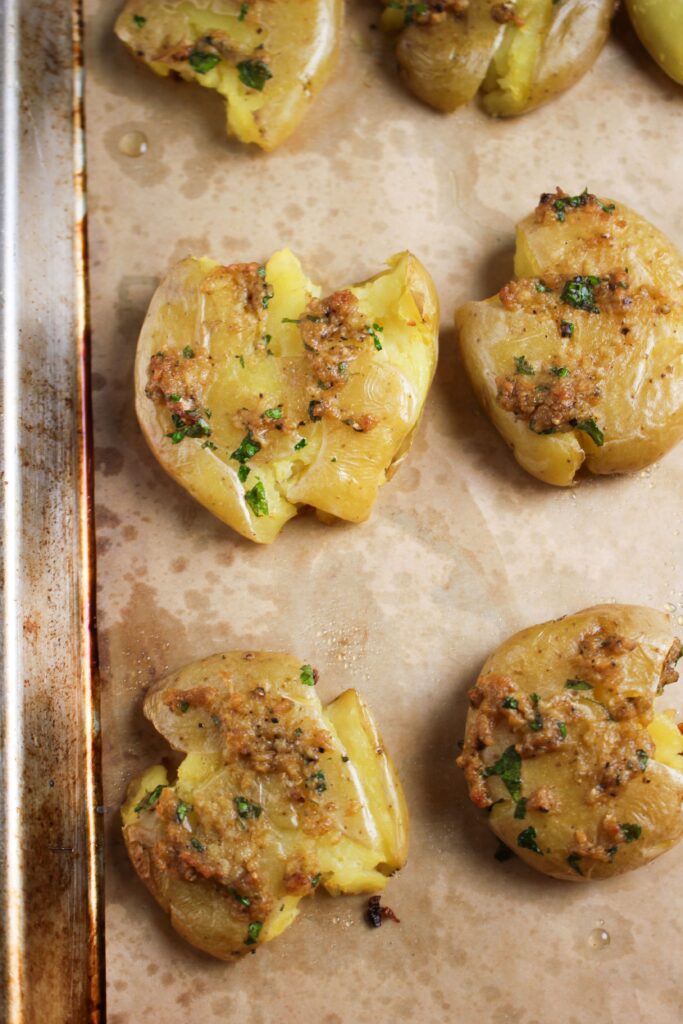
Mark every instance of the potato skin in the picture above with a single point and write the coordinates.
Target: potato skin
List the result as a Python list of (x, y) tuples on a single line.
[(659, 24), (570, 702), (327, 443), (276, 797), (268, 60), (519, 59), (624, 358)]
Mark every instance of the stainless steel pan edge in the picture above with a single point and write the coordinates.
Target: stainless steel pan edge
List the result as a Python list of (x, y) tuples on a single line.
[(50, 850)]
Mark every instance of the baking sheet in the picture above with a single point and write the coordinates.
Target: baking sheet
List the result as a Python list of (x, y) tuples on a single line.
[(462, 548)]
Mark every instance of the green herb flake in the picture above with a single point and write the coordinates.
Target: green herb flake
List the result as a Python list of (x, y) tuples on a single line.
[(643, 758), (254, 74), (197, 428), (573, 861), (248, 447), (315, 881), (202, 62), (511, 702), (188, 352), (520, 808), (253, 932), (243, 472), (300, 444), (247, 808), (244, 10), (630, 832), (591, 428), (210, 445), (320, 783), (197, 845), (273, 414), (266, 339), (261, 272), (577, 684), (149, 801), (605, 207), (374, 333), (307, 675), (509, 768), (139, 20), (244, 900), (503, 852), (562, 729), (541, 286), (527, 840), (559, 371), (181, 811), (184, 706), (578, 292), (523, 366), (256, 499)]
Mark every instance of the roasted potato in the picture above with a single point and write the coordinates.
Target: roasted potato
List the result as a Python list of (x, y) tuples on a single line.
[(519, 54), (266, 59), (562, 745), (275, 798), (259, 396), (580, 357), (659, 23)]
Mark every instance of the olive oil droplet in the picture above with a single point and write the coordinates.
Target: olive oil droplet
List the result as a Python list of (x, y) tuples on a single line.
[(599, 939), (133, 144)]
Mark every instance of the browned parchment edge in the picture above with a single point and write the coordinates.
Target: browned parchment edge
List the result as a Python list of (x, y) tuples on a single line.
[(51, 941)]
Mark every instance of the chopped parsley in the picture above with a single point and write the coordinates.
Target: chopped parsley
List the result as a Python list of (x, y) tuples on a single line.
[(273, 414), (254, 74), (374, 333), (566, 328), (527, 840), (541, 286), (605, 207), (210, 445), (182, 811), (503, 852), (523, 366), (509, 768), (300, 444), (266, 339), (307, 675), (244, 10), (188, 352), (243, 472), (244, 900), (256, 499), (248, 447), (591, 428), (199, 428), (149, 801), (562, 729), (559, 371), (630, 832), (578, 292), (247, 808), (197, 845), (184, 706), (139, 20), (573, 861), (537, 723), (643, 759), (202, 62), (511, 702), (520, 808), (571, 202), (577, 684), (320, 783), (253, 932), (315, 880)]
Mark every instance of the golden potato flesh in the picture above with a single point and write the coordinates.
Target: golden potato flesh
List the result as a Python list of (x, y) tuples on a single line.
[(275, 798), (519, 54), (563, 747), (659, 23), (266, 59), (580, 357), (260, 397)]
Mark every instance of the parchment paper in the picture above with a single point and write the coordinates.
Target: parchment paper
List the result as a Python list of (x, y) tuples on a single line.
[(462, 549)]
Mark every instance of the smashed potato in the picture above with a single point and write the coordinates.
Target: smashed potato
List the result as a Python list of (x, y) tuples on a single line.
[(580, 357), (659, 24), (563, 747), (275, 798), (518, 54), (259, 396), (266, 59)]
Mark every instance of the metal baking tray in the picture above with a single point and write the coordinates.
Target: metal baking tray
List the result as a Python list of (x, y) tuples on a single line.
[(462, 548)]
